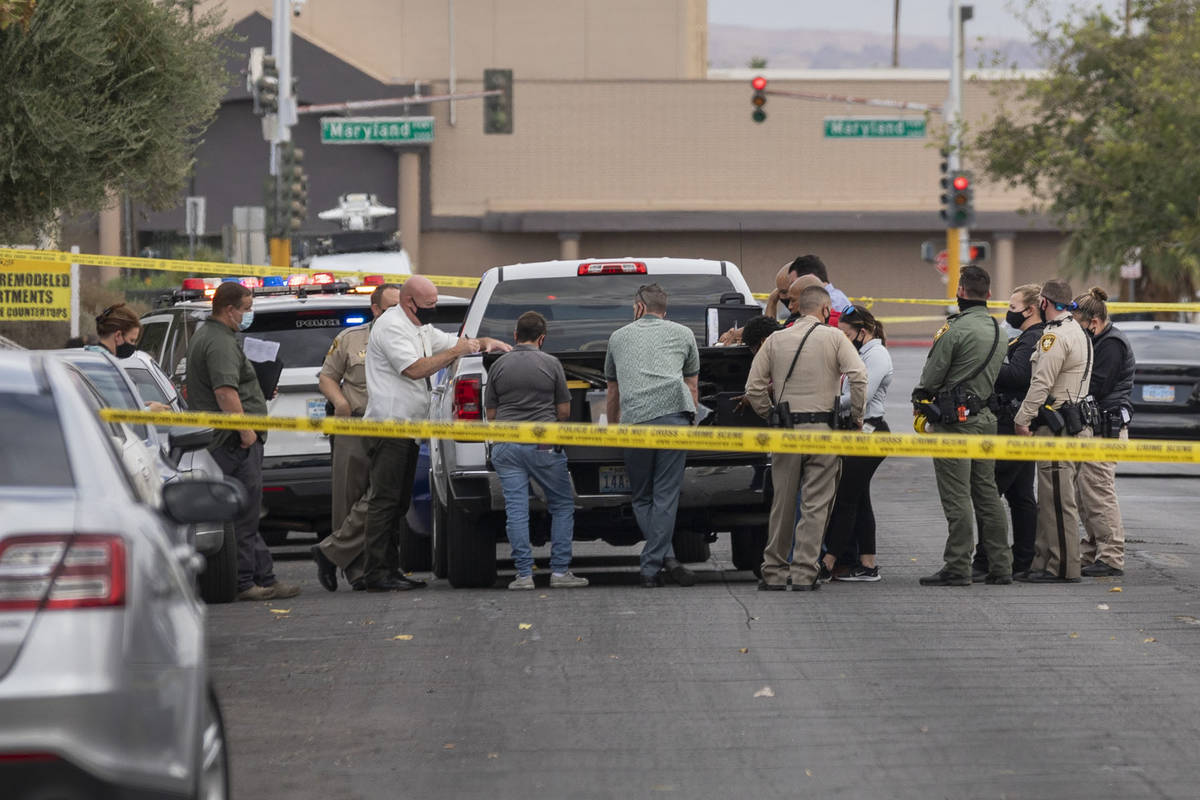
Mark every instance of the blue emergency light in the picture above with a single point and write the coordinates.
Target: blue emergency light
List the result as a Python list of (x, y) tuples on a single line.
[(355, 320)]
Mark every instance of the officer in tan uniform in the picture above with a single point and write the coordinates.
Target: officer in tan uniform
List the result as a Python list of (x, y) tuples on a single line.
[(1055, 405), (804, 365), (343, 381)]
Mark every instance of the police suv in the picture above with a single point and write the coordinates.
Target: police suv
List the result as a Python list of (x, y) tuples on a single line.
[(583, 303), (300, 314)]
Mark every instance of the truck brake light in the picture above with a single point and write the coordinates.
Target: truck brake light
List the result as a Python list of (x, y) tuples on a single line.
[(468, 399), (613, 268), (68, 571)]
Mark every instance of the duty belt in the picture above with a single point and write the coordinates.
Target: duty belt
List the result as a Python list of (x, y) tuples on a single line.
[(812, 417)]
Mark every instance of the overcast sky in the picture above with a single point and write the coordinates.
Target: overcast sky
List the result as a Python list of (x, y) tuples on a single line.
[(993, 18)]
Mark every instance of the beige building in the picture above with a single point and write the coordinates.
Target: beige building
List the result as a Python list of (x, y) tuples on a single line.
[(624, 144)]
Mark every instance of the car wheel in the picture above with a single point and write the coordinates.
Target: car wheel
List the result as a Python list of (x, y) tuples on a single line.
[(212, 763), (218, 581), (691, 546), (747, 543), (470, 551), (415, 552), (437, 534)]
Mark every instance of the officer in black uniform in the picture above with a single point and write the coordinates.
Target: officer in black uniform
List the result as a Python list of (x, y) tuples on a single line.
[(1015, 480)]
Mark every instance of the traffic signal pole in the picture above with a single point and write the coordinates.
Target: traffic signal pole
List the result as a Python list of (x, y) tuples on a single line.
[(958, 240), (281, 48)]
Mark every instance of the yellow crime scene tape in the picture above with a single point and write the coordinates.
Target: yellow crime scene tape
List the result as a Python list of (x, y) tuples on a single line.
[(10, 257), (33, 257), (670, 437)]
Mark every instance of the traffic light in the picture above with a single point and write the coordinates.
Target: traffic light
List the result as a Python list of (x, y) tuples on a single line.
[(498, 109), (958, 200), (293, 185), (759, 99), (980, 251), (266, 87)]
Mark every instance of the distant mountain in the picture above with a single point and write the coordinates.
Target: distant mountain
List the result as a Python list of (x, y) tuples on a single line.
[(732, 46)]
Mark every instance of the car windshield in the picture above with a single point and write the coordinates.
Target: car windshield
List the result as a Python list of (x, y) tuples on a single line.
[(31, 426), (304, 335), (582, 312), (147, 387), (1164, 345)]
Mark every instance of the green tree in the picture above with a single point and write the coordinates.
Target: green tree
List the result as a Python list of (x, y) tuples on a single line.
[(757, 62), (1108, 141), (100, 97)]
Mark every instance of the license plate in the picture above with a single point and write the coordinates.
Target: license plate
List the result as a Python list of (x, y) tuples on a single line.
[(613, 480), (1157, 393), (316, 409)]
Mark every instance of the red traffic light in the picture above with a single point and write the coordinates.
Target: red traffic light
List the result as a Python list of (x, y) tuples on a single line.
[(961, 182), (759, 83)]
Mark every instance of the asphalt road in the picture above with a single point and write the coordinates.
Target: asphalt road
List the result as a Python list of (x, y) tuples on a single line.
[(859, 690)]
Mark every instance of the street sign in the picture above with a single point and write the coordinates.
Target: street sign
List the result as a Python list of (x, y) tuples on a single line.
[(941, 262), (874, 127), (195, 216), (1132, 271), (376, 130)]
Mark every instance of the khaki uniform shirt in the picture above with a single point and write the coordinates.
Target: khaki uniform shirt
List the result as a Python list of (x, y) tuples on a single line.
[(816, 380), (1061, 365), (346, 363)]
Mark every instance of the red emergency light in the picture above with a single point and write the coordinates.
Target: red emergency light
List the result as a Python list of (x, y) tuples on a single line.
[(322, 277), (372, 280), (613, 268), (196, 284)]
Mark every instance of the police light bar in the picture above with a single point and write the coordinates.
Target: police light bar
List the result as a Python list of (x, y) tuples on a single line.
[(613, 268), (322, 277), (193, 284), (273, 280), (297, 280), (372, 280)]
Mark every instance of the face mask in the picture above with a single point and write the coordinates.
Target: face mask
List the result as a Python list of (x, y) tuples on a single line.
[(126, 350), (247, 320), (1042, 312), (1015, 319), (858, 343), (425, 315)]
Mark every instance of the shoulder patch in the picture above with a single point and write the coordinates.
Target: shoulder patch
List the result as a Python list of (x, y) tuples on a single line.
[(940, 331), (1046, 342), (332, 347)]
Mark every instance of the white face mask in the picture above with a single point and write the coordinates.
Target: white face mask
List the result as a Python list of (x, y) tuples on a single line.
[(247, 320)]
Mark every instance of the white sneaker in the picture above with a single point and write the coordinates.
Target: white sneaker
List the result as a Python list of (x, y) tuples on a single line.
[(522, 582), (567, 581)]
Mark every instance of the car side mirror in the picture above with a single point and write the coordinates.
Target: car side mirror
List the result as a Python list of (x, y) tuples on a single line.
[(193, 501), (185, 440)]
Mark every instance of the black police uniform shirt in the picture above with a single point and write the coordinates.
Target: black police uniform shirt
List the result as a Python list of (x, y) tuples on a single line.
[(1112, 369)]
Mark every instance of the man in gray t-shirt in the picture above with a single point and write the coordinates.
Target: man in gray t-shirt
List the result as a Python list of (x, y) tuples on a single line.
[(527, 385), (653, 369)]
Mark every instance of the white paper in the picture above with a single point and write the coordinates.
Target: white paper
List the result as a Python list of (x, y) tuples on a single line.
[(713, 323), (259, 350)]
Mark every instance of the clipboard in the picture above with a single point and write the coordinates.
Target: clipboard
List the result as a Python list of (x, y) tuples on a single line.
[(723, 316), (268, 373)]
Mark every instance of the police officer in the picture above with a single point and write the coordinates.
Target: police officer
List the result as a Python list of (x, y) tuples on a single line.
[(1055, 406), (1016, 479), (952, 397), (343, 381), (1103, 551), (804, 365)]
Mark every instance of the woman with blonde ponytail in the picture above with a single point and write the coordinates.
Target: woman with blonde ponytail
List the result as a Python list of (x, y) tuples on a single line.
[(1102, 553)]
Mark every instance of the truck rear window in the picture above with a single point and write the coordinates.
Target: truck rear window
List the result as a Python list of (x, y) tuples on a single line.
[(582, 312)]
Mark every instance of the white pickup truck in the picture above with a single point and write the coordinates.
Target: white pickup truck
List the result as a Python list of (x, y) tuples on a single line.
[(584, 302)]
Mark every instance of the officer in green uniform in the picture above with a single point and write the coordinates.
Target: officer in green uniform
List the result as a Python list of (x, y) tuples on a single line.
[(221, 379), (952, 398)]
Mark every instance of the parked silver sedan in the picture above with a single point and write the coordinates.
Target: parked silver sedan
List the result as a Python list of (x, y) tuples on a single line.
[(104, 686)]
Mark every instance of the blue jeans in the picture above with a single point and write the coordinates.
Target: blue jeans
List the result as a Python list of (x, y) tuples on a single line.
[(516, 464), (655, 478)]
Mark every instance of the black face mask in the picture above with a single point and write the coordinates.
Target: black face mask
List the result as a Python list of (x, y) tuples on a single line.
[(125, 350), (1042, 312), (425, 316), (1015, 319), (858, 343), (964, 304)]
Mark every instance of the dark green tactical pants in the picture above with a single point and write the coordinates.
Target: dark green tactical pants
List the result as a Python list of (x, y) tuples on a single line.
[(968, 490)]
